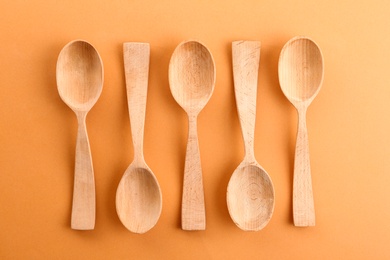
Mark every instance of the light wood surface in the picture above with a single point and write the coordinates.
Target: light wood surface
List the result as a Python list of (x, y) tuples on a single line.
[(138, 197), (300, 75), (192, 80), (80, 83), (250, 192)]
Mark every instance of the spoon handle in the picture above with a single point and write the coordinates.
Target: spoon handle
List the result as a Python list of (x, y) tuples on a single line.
[(136, 59), (303, 203), (193, 208), (83, 206), (246, 58)]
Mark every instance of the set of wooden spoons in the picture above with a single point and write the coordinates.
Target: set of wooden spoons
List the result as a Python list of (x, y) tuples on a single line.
[(250, 192)]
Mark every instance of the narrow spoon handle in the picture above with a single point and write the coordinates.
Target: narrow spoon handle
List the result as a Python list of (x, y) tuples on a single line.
[(303, 204), (136, 59), (246, 58), (193, 208), (83, 207)]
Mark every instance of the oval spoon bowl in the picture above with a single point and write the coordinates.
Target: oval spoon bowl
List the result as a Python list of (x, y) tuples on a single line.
[(79, 75), (191, 75), (300, 69), (138, 199), (250, 197)]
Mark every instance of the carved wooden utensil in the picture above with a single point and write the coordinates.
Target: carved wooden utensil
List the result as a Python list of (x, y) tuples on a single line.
[(250, 192), (138, 197), (192, 80), (80, 83), (301, 71)]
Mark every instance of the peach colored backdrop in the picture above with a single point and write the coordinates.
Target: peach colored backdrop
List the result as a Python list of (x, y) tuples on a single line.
[(348, 122)]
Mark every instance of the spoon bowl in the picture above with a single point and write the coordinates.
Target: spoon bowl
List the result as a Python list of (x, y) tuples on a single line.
[(192, 80), (138, 199), (192, 76), (300, 70), (250, 197), (79, 76)]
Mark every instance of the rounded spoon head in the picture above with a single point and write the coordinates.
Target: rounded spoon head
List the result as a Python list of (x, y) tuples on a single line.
[(250, 197), (300, 70), (138, 199), (79, 75), (191, 75)]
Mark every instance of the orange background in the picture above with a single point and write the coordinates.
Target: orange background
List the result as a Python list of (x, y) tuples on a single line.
[(348, 122)]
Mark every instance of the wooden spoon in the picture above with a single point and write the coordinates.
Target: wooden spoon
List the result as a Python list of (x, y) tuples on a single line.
[(80, 83), (192, 80), (138, 197), (250, 192), (301, 71)]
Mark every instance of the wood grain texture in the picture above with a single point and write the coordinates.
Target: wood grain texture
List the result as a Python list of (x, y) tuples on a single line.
[(192, 80), (301, 75), (84, 204), (136, 60), (246, 60), (80, 81), (250, 192), (138, 198)]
